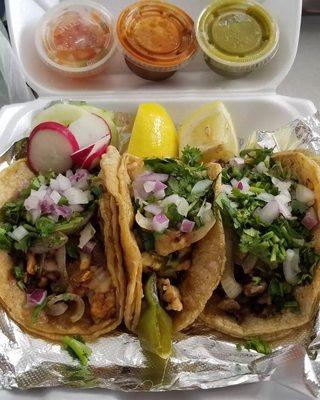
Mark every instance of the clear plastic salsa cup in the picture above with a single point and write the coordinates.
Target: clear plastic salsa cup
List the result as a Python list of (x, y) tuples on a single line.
[(76, 38), (156, 38), (237, 36)]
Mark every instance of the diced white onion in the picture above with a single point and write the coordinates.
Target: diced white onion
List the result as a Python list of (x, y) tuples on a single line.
[(291, 266), (180, 202), (226, 188), (143, 222), (201, 186), (86, 235), (264, 196), (237, 162), (269, 212), (55, 196), (153, 209), (261, 167), (305, 195), (76, 196), (231, 287), (19, 233), (60, 183)]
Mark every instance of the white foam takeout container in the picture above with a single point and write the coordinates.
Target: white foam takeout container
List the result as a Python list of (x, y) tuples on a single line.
[(252, 100)]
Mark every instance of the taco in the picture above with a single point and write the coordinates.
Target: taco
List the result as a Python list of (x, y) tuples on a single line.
[(168, 226), (271, 208), (60, 253)]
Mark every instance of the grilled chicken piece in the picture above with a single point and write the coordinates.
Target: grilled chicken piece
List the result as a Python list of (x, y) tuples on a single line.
[(170, 294)]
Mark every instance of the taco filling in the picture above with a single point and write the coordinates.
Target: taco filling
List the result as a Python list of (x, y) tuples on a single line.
[(269, 218), (171, 216), (52, 233)]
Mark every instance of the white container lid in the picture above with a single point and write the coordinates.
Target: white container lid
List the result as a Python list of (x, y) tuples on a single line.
[(195, 78)]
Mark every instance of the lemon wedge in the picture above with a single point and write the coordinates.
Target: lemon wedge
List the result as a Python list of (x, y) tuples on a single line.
[(153, 133), (210, 128)]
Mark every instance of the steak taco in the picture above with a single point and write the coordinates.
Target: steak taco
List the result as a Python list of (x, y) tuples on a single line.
[(60, 253), (168, 224), (271, 208)]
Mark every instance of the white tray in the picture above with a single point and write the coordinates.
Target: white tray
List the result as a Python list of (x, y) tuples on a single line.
[(23, 16), (252, 102)]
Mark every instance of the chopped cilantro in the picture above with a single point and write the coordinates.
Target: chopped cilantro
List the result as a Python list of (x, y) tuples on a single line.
[(45, 225), (298, 207), (37, 311), (63, 201), (18, 272), (173, 215), (257, 344), (5, 240), (191, 156), (77, 348), (97, 191)]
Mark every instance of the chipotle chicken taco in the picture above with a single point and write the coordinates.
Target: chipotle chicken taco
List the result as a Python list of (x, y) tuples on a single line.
[(271, 208), (169, 233), (60, 254)]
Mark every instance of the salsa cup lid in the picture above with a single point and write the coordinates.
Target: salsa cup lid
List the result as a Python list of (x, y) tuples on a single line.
[(156, 34), (237, 34), (76, 37)]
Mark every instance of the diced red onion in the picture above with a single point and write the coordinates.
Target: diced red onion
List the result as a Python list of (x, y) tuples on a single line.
[(143, 222), (86, 235), (152, 176), (61, 211), (45, 204), (242, 185), (291, 266), (201, 186), (187, 226), (226, 188), (149, 186), (269, 212), (138, 191), (310, 220), (237, 162), (36, 297), (19, 233), (153, 209), (60, 183), (76, 196), (264, 196), (55, 196), (305, 195), (261, 167), (88, 247), (160, 222), (80, 179), (159, 186)]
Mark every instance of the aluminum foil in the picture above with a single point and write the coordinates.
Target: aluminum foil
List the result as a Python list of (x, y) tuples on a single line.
[(201, 357)]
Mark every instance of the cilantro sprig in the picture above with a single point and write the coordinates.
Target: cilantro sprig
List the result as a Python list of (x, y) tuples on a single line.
[(255, 343)]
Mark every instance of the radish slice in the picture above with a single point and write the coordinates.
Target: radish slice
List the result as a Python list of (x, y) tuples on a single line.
[(99, 148), (89, 129), (50, 147), (80, 156)]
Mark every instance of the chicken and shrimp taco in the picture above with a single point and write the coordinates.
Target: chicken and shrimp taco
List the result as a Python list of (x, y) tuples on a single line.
[(172, 240), (61, 261), (271, 208)]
